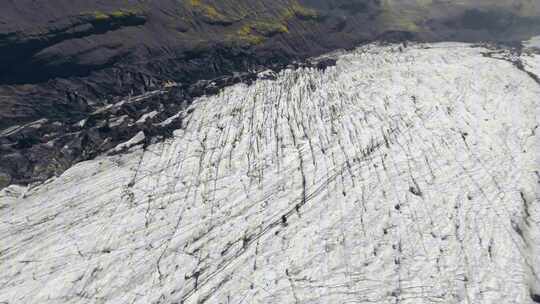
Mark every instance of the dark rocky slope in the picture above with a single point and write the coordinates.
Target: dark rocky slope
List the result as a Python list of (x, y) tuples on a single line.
[(105, 48), (61, 61)]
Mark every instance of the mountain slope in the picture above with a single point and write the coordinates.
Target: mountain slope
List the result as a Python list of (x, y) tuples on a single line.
[(401, 175), (99, 49)]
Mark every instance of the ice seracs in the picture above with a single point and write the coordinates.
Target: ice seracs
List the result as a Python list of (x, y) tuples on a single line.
[(394, 177)]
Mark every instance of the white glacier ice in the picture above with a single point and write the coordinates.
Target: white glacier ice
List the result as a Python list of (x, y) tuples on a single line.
[(393, 177)]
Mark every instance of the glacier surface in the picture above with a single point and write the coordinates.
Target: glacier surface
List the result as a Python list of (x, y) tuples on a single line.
[(394, 177)]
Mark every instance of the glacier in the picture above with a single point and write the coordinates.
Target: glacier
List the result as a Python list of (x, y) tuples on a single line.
[(399, 175)]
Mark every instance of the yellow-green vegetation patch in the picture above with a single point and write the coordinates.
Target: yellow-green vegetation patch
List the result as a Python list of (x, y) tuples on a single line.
[(99, 16), (299, 11), (246, 34), (121, 14), (397, 16), (256, 32), (397, 21), (208, 11)]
